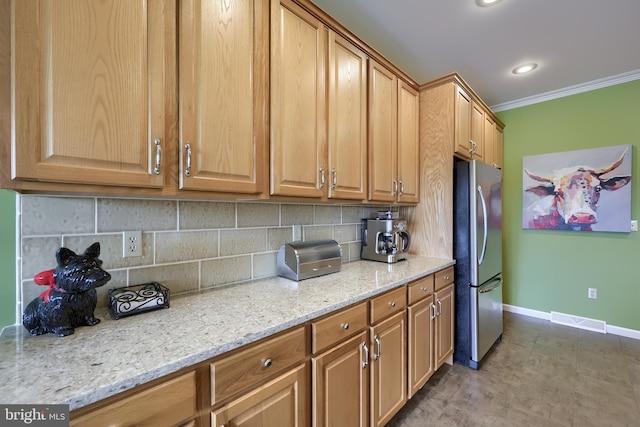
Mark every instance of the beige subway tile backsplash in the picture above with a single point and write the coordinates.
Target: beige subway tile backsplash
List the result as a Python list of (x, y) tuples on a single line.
[(258, 214), (187, 245), (44, 215), (217, 272), (206, 215), (130, 214)]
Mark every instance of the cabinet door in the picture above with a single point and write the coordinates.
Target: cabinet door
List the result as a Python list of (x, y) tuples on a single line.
[(477, 131), (347, 119), (341, 385), (279, 403), (298, 109), (489, 140), (421, 336), (499, 146), (223, 87), (89, 90), (383, 122), (389, 368), (408, 144), (444, 324), (462, 136)]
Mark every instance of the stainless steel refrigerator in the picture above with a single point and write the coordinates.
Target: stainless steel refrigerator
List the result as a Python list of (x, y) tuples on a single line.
[(477, 248)]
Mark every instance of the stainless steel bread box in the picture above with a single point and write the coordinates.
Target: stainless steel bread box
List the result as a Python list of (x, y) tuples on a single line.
[(304, 260)]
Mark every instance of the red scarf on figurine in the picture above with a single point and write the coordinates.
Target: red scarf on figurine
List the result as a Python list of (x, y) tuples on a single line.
[(46, 278)]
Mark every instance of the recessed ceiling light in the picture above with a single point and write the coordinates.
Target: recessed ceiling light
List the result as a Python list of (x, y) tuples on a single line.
[(522, 69), (487, 3)]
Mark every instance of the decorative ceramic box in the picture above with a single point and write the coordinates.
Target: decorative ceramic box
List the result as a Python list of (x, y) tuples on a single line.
[(137, 299)]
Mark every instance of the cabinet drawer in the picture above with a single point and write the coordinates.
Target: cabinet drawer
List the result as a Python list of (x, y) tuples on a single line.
[(165, 404), (420, 289), (388, 304), (256, 363), (338, 326), (443, 278)]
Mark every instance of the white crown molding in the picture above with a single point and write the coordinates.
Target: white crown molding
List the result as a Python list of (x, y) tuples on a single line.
[(568, 91)]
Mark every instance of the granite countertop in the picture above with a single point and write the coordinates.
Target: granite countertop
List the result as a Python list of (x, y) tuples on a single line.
[(116, 355)]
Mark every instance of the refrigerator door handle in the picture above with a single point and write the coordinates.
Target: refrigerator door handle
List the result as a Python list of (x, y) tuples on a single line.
[(486, 225)]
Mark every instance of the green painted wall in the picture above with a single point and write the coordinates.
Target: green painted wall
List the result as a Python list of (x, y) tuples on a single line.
[(551, 270), (7, 258)]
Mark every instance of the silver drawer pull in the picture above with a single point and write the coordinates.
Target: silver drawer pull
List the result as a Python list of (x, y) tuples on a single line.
[(392, 304), (425, 289), (267, 363), (365, 362), (345, 326)]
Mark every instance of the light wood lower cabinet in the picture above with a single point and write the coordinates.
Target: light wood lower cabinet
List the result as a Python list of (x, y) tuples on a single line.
[(444, 302), (281, 402), (341, 385), (356, 368), (169, 403), (388, 368)]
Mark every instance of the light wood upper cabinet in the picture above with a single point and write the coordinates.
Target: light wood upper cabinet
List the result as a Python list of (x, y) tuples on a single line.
[(383, 136), (223, 87), (498, 142), (462, 120), (347, 126), (408, 144), (477, 131), (89, 92), (298, 101), (489, 140)]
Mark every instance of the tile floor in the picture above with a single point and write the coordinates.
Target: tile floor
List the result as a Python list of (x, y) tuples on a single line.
[(541, 374)]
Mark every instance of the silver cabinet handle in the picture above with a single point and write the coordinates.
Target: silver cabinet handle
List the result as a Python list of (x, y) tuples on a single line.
[(395, 187), (433, 308), (156, 170), (439, 307), (392, 304), (366, 355), (401, 188), (187, 171), (321, 178), (335, 178), (345, 326), (377, 355), (473, 146), (425, 289), (267, 363)]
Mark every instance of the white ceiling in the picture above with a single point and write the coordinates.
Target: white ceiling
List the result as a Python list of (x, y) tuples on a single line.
[(574, 42)]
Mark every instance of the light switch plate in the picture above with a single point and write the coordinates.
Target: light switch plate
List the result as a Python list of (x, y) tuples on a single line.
[(634, 225)]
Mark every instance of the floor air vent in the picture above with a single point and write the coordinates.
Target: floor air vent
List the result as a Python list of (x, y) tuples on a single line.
[(579, 322)]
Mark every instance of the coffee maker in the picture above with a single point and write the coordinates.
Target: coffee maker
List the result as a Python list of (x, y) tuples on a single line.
[(385, 238)]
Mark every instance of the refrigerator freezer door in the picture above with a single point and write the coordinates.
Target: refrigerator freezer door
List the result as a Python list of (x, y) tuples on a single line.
[(487, 320)]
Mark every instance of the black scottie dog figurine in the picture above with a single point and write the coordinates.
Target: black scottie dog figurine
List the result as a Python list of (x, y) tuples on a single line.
[(71, 298)]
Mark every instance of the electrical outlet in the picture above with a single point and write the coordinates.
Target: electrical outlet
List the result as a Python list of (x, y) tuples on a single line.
[(634, 225), (131, 244), (593, 293)]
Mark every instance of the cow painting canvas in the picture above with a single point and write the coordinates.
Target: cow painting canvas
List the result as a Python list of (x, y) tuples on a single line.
[(584, 190)]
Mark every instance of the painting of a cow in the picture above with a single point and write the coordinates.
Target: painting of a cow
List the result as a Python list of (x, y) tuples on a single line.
[(562, 193)]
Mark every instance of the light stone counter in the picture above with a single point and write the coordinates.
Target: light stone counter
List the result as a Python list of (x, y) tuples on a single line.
[(116, 355)]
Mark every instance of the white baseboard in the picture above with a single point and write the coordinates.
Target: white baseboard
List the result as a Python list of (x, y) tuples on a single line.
[(610, 329)]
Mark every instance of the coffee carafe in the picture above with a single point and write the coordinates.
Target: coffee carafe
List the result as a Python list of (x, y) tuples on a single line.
[(385, 239)]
